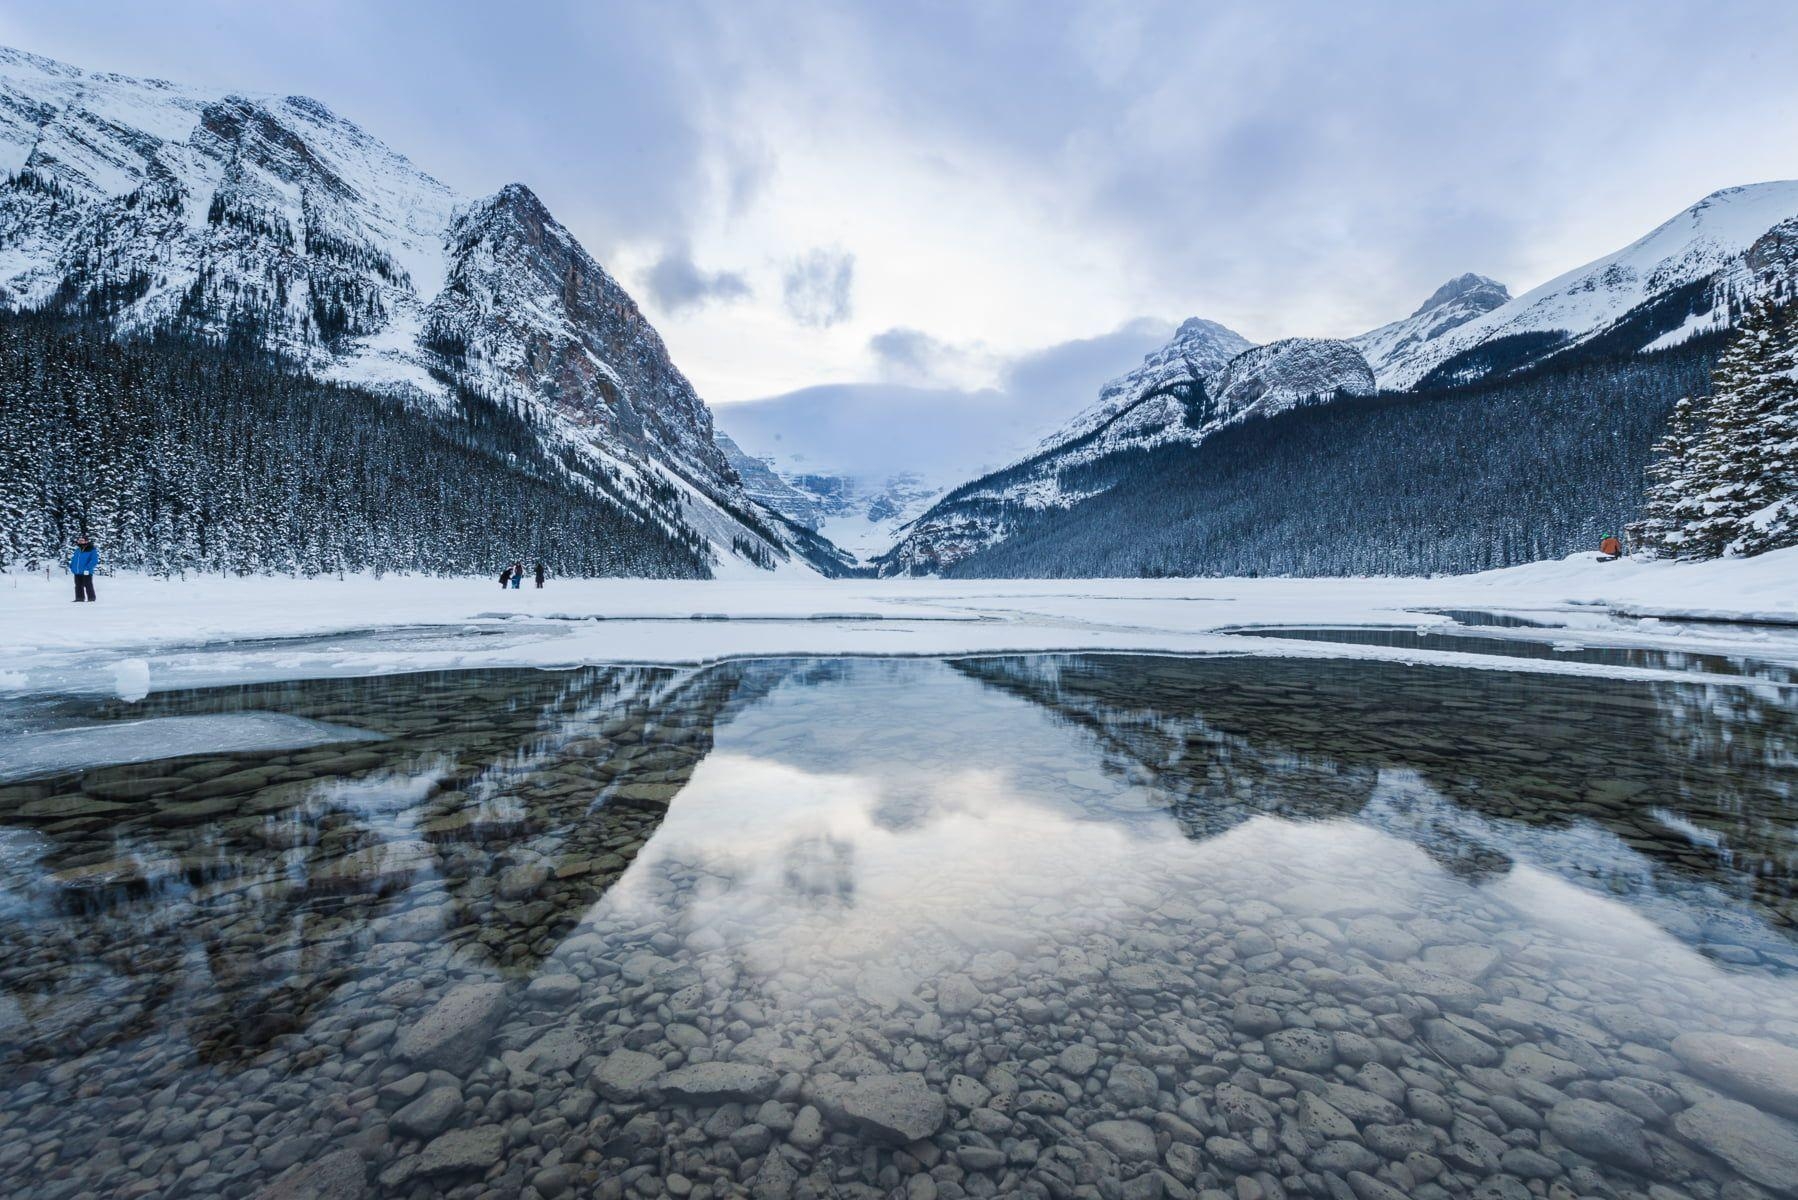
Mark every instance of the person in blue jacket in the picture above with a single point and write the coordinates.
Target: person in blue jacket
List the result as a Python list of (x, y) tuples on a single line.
[(81, 566)]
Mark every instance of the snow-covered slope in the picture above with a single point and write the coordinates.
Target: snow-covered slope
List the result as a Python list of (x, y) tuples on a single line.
[(1208, 377), (155, 204), (855, 512), (863, 515), (1680, 279), (1452, 305)]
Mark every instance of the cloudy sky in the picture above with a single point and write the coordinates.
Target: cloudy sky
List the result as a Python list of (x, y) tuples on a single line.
[(941, 194)]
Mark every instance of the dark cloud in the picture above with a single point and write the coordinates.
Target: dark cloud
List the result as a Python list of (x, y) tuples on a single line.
[(819, 288), (911, 355), (677, 283), (1065, 377)]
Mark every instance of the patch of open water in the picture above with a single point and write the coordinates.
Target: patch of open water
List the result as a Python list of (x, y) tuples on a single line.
[(1052, 926)]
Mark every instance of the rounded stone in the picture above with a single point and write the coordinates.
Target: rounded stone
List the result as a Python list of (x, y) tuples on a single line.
[(1762, 1072)]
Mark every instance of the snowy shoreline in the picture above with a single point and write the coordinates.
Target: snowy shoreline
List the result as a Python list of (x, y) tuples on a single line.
[(213, 630)]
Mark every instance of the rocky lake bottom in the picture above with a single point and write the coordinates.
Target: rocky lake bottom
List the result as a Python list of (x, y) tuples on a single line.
[(1052, 926)]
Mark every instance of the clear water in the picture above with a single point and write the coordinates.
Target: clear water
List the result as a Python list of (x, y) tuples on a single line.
[(1471, 616), (1048, 926)]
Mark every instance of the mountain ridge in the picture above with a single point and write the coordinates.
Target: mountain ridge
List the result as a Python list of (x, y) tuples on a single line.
[(151, 205), (1688, 277), (1731, 247)]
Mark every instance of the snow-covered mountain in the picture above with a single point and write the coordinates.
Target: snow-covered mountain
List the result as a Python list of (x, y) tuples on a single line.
[(1452, 305), (859, 513), (1208, 377), (154, 204), (1281, 375), (855, 462), (1691, 274), (1198, 349)]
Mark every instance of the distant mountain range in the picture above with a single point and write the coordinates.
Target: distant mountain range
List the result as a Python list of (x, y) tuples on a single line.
[(1689, 277), (152, 205)]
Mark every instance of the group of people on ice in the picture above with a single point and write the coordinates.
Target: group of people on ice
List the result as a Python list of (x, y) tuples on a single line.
[(84, 560), (513, 576)]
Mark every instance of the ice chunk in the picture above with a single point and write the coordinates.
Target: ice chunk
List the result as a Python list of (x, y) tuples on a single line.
[(131, 679), (48, 751)]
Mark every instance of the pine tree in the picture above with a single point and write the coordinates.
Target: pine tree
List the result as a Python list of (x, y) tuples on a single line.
[(1774, 525), (1661, 530), (1727, 478)]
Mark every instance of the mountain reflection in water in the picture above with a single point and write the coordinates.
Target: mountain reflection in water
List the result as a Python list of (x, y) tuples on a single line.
[(1169, 924)]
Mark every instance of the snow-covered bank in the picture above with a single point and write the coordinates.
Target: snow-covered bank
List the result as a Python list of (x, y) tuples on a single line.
[(364, 625)]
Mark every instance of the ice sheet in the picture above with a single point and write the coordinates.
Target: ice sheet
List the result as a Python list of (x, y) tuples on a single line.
[(46, 752), (239, 630)]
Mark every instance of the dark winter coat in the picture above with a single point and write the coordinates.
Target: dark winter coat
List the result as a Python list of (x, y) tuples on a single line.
[(83, 562)]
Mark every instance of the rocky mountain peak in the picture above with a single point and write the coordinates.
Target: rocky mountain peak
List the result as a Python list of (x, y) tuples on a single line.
[(1280, 375), (1470, 290)]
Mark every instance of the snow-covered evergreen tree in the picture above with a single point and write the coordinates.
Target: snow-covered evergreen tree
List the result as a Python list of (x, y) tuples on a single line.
[(1726, 480), (1662, 527)]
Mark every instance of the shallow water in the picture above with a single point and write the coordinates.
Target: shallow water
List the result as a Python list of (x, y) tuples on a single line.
[(1493, 620), (1041, 926)]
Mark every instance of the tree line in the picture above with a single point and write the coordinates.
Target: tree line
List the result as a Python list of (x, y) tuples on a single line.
[(1488, 474), (180, 454)]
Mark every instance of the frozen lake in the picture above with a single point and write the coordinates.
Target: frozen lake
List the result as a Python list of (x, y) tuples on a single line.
[(1051, 925)]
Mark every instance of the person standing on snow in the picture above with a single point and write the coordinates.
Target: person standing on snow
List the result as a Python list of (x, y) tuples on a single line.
[(81, 565), (539, 573), (505, 578), (517, 575)]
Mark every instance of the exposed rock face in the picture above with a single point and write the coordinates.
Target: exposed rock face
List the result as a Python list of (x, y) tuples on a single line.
[(1465, 292), (1774, 255), (1150, 405), (532, 308), (767, 488), (1197, 351), (1275, 377)]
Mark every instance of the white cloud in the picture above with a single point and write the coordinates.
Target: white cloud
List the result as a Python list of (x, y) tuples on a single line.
[(1002, 176)]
